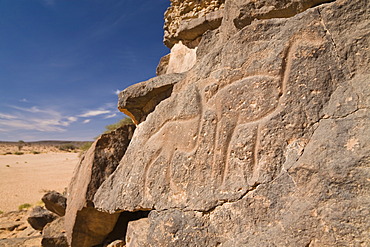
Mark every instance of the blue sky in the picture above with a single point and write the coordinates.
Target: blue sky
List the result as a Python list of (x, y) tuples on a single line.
[(62, 62)]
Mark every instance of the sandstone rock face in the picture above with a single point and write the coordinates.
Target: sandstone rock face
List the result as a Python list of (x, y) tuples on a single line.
[(163, 65), (55, 202), (85, 226), (134, 237), (181, 59), (54, 235), (240, 13), (187, 19), (264, 141)]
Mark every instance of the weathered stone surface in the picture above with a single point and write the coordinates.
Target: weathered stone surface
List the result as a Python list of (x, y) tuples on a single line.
[(181, 59), (211, 140), (348, 24), (138, 100), (55, 202), (9, 225), (137, 232), (39, 217), (193, 28), (240, 13), (20, 242), (54, 235), (16, 231), (264, 141), (187, 19), (117, 243), (85, 226), (163, 65)]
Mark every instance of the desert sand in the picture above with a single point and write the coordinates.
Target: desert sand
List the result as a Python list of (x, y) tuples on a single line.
[(26, 178)]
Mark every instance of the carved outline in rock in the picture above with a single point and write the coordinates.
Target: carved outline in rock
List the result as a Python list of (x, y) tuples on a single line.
[(284, 74)]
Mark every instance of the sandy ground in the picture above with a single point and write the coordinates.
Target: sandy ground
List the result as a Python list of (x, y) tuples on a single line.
[(25, 178)]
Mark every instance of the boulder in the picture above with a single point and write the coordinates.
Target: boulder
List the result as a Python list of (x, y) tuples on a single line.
[(55, 202), (39, 217), (137, 232), (263, 142), (54, 235), (138, 100), (85, 225)]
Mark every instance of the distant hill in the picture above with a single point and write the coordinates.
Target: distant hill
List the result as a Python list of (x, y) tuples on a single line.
[(44, 146)]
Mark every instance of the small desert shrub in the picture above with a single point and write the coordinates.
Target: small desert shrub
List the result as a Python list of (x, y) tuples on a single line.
[(18, 153), (67, 147), (40, 203), (24, 206), (8, 153), (1, 212), (120, 123), (7, 165), (21, 144), (35, 152), (86, 146)]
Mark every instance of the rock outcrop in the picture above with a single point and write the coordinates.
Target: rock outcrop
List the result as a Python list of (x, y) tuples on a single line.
[(141, 99), (187, 20), (263, 141), (86, 226)]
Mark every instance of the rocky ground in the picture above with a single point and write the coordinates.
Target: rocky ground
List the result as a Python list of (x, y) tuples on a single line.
[(15, 230)]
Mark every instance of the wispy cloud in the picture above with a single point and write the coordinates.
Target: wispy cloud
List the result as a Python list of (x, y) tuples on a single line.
[(17, 121), (117, 92), (24, 100), (35, 109), (94, 113), (72, 119), (35, 118), (111, 116), (7, 116), (23, 124)]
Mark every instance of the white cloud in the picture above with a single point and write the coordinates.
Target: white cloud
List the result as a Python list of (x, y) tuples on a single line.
[(72, 119), (35, 109), (87, 121), (117, 92), (23, 100), (35, 118), (110, 116), (7, 116), (22, 124), (94, 113)]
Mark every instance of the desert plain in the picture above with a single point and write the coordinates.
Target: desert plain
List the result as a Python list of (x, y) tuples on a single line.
[(25, 178)]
